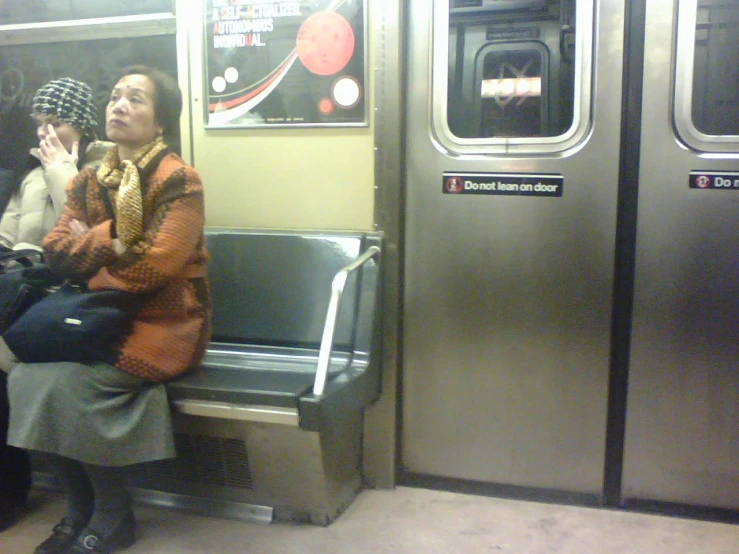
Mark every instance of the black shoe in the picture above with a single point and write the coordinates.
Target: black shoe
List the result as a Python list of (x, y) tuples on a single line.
[(61, 538), (89, 541), (8, 517)]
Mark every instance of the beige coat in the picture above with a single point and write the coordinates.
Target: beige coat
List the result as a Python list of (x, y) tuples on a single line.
[(37, 206)]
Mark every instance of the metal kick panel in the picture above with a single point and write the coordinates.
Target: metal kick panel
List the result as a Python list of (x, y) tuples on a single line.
[(302, 475)]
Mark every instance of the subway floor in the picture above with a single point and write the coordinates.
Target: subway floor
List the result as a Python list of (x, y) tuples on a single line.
[(406, 520)]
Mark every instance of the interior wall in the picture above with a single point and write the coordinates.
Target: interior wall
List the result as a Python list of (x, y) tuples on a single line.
[(310, 178), (290, 178)]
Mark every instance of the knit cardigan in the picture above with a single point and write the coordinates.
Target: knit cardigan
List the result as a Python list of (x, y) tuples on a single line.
[(171, 332)]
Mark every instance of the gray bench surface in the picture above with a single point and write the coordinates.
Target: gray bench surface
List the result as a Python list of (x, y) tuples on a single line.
[(271, 292)]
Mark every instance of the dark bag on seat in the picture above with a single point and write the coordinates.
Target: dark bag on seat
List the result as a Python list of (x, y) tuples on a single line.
[(74, 324), (23, 282)]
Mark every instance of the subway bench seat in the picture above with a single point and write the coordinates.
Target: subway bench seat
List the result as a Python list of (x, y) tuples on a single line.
[(271, 425)]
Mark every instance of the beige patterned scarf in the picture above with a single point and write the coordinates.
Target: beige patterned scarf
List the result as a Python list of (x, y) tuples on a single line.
[(122, 178)]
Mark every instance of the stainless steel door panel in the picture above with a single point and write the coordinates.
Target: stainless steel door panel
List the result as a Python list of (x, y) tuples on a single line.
[(508, 299), (682, 433)]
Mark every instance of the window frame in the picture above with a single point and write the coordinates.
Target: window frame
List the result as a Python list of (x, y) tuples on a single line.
[(57, 22), (80, 30), (511, 146)]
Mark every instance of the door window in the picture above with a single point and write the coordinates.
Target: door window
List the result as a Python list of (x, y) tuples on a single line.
[(93, 51), (707, 78), (517, 74)]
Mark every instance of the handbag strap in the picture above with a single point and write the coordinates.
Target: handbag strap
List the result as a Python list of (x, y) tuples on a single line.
[(23, 257)]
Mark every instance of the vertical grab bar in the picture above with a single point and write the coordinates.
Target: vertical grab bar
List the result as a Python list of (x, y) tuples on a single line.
[(329, 327)]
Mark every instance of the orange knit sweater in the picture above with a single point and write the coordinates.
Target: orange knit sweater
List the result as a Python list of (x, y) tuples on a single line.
[(171, 332)]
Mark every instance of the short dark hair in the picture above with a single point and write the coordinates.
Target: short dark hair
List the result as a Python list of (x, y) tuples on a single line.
[(167, 97)]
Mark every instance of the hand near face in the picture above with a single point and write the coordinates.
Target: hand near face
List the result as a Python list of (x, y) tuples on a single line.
[(52, 150)]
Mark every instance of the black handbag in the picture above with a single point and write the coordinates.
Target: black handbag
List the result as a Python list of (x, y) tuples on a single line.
[(24, 280), (75, 324)]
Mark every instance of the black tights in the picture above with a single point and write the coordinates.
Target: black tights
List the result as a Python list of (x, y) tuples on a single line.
[(97, 496)]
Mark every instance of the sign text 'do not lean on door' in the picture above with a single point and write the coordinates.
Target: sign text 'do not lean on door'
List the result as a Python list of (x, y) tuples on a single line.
[(506, 184)]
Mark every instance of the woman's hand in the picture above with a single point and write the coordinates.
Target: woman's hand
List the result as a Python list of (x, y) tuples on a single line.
[(118, 246), (52, 150), (78, 227)]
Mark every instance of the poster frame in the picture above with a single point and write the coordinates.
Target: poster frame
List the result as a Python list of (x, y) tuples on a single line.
[(205, 5)]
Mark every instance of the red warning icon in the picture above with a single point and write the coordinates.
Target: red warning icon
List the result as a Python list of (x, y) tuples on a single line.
[(703, 181), (454, 185)]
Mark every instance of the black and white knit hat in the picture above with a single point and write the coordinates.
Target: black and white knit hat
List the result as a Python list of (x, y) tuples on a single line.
[(71, 101)]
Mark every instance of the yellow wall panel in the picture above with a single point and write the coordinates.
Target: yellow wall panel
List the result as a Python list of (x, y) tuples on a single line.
[(308, 178), (297, 178)]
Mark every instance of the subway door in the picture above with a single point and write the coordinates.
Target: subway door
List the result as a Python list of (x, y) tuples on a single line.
[(513, 119), (682, 428)]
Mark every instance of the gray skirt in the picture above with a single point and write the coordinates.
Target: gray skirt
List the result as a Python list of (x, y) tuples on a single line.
[(96, 413)]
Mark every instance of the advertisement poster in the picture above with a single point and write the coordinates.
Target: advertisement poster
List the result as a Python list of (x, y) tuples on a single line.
[(291, 63)]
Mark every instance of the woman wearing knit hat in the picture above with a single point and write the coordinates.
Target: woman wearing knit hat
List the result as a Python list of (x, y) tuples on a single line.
[(136, 224), (66, 119)]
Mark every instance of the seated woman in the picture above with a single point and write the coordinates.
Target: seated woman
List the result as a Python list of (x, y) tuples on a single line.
[(95, 418), (66, 118)]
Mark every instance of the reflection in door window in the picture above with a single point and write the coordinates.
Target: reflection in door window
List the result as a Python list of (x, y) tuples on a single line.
[(511, 79), (715, 106), (511, 68)]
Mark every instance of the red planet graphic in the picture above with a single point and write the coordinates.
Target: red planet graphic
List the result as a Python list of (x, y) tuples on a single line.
[(325, 43)]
